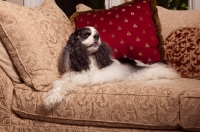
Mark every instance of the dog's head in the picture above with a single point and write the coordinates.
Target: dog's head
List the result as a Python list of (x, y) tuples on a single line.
[(83, 43), (89, 37)]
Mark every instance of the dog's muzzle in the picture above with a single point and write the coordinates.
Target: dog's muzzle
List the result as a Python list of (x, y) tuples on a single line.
[(93, 47)]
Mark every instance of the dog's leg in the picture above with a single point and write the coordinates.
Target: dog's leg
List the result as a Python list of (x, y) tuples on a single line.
[(69, 82), (60, 88)]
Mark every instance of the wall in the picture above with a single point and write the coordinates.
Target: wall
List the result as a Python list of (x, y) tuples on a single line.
[(29, 3), (32, 3), (19, 2), (194, 4), (111, 3)]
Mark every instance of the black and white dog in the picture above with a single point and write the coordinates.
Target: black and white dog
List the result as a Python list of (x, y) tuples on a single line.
[(88, 61)]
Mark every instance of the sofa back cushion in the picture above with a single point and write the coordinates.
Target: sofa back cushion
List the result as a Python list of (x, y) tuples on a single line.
[(34, 38), (171, 20), (180, 30)]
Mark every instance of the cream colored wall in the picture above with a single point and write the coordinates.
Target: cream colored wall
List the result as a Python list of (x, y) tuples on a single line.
[(32, 3), (19, 2), (111, 3), (196, 4)]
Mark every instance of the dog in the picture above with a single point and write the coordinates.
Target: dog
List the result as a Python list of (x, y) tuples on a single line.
[(88, 61)]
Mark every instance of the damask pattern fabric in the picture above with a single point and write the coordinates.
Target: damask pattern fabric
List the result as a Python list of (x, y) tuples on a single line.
[(153, 104), (189, 109), (34, 38), (132, 29), (10, 122), (7, 65), (171, 20), (6, 96), (183, 94), (182, 51), (82, 7)]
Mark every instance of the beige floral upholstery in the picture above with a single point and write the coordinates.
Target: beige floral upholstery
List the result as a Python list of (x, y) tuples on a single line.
[(116, 107), (7, 65), (182, 51), (11, 122), (82, 7), (153, 104), (171, 20), (34, 38), (190, 109)]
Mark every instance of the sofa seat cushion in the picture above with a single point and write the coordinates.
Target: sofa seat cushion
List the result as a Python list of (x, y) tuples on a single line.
[(154, 104), (190, 110)]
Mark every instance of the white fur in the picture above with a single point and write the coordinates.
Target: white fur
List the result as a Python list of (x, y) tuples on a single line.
[(153, 72), (90, 40), (115, 72)]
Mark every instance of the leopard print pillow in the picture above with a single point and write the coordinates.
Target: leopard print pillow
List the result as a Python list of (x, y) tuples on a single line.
[(182, 51)]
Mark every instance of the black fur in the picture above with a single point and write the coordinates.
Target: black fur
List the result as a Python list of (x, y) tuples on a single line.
[(76, 53), (103, 55), (130, 62), (127, 61)]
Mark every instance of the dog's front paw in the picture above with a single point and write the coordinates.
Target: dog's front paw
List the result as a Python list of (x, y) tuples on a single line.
[(53, 99)]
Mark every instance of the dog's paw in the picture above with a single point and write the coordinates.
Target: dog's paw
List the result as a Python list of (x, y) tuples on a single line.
[(53, 99)]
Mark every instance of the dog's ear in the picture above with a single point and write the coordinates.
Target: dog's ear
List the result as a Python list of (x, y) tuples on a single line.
[(103, 56), (75, 54)]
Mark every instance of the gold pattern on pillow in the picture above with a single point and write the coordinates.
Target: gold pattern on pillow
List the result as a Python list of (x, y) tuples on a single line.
[(34, 38), (182, 51)]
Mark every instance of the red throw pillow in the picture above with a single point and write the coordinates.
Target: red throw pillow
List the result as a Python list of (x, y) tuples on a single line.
[(129, 29)]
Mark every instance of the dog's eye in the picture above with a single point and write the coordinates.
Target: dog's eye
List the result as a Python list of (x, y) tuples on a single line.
[(85, 35)]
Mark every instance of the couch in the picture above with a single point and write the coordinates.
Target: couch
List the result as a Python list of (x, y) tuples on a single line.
[(32, 40)]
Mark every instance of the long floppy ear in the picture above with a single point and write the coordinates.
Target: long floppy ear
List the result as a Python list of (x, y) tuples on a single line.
[(75, 54), (103, 55)]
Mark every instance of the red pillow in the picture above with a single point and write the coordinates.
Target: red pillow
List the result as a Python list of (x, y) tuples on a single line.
[(129, 29), (182, 51)]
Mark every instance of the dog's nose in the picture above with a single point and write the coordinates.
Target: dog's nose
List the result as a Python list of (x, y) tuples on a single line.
[(96, 36)]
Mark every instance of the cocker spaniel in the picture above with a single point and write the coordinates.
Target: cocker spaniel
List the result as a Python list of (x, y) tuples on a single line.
[(88, 61)]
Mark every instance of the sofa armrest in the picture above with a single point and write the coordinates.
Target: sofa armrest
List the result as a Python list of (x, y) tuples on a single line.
[(6, 93), (7, 65)]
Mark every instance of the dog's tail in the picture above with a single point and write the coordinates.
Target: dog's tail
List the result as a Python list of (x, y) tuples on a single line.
[(136, 65), (142, 72)]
